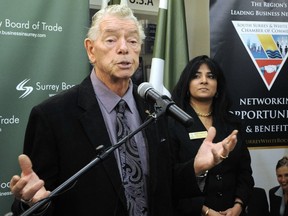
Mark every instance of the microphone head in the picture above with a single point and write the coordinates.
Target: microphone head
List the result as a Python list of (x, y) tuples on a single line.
[(143, 88)]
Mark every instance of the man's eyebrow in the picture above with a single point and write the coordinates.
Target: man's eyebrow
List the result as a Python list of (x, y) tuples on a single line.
[(109, 30)]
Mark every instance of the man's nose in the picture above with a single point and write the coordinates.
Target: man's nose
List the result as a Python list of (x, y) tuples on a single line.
[(123, 46)]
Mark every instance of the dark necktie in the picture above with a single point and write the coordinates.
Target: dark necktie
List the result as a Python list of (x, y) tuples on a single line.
[(132, 172)]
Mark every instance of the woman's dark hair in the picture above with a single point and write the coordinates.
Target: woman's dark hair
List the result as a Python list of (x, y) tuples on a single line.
[(282, 162), (180, 94)]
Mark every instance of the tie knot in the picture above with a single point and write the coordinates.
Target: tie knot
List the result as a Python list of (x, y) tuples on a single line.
[(121, 106)]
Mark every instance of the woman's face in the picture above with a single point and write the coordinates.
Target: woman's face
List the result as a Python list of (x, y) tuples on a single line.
[(203, 86), (282, 177)]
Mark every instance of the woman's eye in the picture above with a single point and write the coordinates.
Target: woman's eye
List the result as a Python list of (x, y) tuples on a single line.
[(211, 76)]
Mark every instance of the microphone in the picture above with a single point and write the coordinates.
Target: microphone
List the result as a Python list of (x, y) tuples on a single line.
[(146, 91)]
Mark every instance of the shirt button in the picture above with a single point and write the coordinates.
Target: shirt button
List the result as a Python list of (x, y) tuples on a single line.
[(218, 177), (219, 194)]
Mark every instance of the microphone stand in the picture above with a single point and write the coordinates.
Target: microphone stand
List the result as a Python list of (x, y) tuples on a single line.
[(160, 110)]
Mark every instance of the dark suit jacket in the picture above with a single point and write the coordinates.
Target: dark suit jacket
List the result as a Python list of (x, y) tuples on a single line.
[(275, 202), (61, 137), (231, 178), (258, 203)]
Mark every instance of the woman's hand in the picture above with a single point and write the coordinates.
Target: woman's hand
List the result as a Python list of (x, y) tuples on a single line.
[(235, 211), (210, 154)]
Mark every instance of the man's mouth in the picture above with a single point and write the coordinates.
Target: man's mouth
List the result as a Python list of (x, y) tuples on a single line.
[(124, 64)]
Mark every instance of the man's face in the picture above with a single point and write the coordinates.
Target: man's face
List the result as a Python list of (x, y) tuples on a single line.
[(115, 52)]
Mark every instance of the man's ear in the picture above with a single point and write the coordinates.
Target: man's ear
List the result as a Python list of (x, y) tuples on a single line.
[(89, 46)]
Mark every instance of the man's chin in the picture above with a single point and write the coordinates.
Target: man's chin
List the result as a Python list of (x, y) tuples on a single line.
[(123, 74), (121, 78)]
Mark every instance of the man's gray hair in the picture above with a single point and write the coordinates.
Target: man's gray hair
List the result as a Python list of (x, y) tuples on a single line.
[(121, 11)]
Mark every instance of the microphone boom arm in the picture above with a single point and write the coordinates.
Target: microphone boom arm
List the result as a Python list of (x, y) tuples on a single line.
[(98, 159)]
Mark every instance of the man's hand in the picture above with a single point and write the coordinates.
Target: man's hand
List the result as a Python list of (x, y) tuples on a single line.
[(28, 188), (210, 154)]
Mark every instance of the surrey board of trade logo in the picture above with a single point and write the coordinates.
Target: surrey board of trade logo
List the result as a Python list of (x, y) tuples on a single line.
[(22, 87), (50, 89), (267, 45)]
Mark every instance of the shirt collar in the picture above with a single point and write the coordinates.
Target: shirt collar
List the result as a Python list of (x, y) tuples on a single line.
[(108, 98), (279, 192)]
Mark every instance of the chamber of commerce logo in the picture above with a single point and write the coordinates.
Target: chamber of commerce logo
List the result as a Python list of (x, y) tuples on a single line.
[(27, 89), (267, 45)]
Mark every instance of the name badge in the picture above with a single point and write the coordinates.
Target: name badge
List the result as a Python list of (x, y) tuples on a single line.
[(198, 135)]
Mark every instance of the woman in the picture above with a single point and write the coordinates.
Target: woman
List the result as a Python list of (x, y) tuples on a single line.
[(201, 92), (279, 195)]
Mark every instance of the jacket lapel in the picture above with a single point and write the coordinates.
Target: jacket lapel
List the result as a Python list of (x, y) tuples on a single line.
[(94, 126), (150, 132)]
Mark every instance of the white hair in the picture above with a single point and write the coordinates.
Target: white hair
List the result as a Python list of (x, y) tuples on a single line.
[(122, 11)]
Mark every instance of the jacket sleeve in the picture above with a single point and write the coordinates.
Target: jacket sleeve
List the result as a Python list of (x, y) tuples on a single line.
[(185, 184), (38, 141)]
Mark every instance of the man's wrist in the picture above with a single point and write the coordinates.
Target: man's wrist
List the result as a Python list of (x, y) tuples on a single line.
[(24, 206)]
